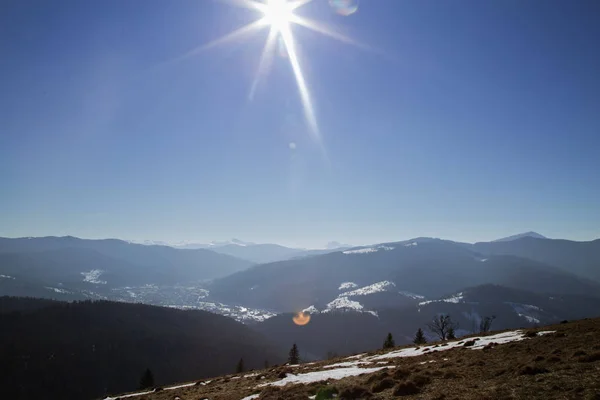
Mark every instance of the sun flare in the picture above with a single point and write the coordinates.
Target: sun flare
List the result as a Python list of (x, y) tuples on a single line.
[(278, 14)]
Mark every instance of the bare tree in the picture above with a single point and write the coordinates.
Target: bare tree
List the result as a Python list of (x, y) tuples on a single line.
[(486, 324), (441, 326)]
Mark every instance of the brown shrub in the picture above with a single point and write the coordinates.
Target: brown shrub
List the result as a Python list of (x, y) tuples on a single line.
[(421, 380), (406, 389), (377, 377), (401, 373), (382, 385), (469, 343), (269, 390), (531, 334), (355, 392)]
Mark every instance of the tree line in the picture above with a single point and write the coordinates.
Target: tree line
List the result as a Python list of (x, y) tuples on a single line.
[(443, 327)]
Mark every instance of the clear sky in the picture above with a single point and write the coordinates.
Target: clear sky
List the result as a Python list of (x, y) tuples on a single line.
[(467, 120)]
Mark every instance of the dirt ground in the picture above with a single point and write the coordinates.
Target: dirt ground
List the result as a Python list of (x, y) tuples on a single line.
[(560, 365)]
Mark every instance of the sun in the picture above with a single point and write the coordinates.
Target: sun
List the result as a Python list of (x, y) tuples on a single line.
[(278, 14)]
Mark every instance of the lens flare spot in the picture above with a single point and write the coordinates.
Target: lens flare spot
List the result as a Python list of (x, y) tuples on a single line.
[(344, 7), (301, 318), (292, 146)]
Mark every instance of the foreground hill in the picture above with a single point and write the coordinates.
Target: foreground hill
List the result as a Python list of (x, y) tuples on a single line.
[(554, 362), (87, 349)]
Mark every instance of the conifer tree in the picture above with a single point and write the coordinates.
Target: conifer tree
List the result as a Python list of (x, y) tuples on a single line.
[(147, 379), (419, 337), (294, 357), (451, 335), (389, 342), (240, 366)]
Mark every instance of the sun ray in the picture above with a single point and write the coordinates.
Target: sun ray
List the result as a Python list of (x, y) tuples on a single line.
[(232, 36), (249, 4), (309, 113), (298, 3), (322, 29), (266, 59)]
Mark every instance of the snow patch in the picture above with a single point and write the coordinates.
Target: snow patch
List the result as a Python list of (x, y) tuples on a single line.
[(480, 343), (251, 397), (6, 277), (92, 277), (527, 311), (382, 286), (356, 356), (62, 291), (411, 244), (411, 295), (457, 298), (311, 310), (346, 364), (318, 376), (347, 285), (343, 303), (366, 250)]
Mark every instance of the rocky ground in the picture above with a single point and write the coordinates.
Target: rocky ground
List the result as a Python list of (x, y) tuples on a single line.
[(554, 362)]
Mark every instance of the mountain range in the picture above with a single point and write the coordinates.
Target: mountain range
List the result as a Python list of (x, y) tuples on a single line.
[(407, 275), (358, 294), (254, 252)]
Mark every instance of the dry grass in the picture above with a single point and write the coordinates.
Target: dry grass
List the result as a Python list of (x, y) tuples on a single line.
[(563, 365)]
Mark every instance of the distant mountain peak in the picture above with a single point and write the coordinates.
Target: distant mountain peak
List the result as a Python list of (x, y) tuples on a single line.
[(521, 235), (336, 245)]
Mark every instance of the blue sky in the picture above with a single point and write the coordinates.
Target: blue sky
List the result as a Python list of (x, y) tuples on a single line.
[(468, 120)]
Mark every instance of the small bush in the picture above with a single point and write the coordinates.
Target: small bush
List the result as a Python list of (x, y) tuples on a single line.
[(406, 389), (531, 334), (421, 380), (327, 392), (355, 393), (564, 321), (401, 373), (579, 353), (382, 385), (377, 377), (469, 343), (539, 358)]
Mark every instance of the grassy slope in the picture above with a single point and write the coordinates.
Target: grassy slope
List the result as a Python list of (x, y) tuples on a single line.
[(562, 365)]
